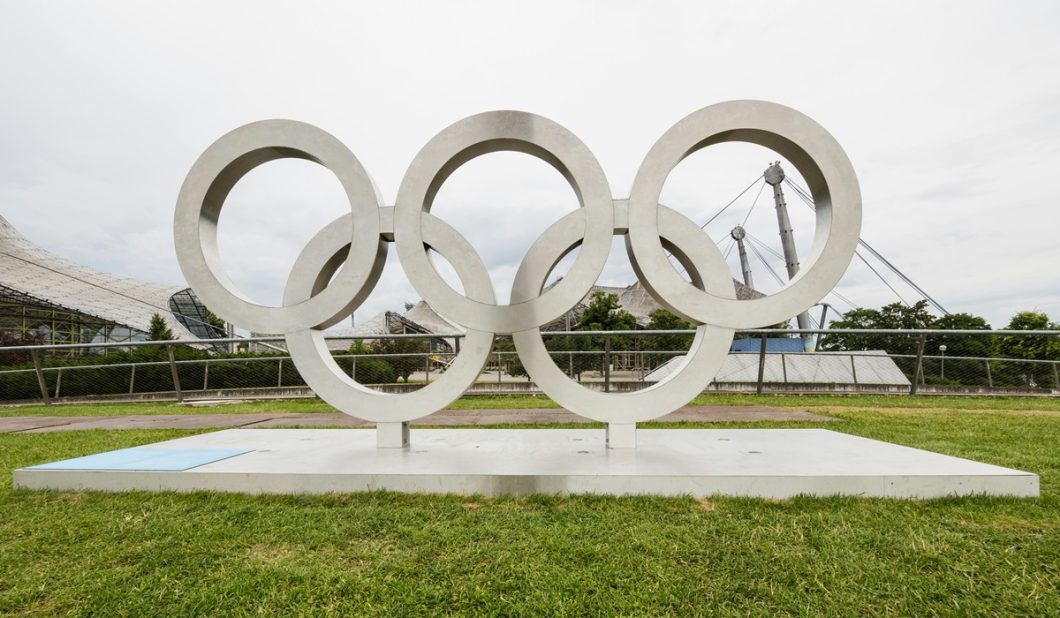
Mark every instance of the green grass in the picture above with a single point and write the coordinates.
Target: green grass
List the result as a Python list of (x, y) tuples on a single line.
[(81, 553), (481, 402)]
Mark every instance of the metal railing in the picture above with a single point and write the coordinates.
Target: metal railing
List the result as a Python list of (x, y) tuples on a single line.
[(616, 361)]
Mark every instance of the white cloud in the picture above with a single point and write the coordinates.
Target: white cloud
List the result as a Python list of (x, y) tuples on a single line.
[(950, 117)]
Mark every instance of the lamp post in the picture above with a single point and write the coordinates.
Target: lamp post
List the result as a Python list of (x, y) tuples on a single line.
[(942, 363)]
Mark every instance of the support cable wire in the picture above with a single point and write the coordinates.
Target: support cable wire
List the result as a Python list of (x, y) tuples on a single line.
[(760, 177), (875, 272), (808, 199), (769, 268), (765, 246), (753, 204)]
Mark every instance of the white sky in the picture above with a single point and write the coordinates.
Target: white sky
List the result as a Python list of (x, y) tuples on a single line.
[(950, 114)]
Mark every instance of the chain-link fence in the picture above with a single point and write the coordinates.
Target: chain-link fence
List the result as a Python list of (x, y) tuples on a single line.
[(839, 361)]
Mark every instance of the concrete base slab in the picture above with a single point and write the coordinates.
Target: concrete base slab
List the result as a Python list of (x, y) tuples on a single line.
[(768, 463)]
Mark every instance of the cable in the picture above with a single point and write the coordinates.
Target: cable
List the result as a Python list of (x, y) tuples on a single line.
[(769, 268), (718, 214), (767, 247), (903, 277), (844, 299), (808, 199), (753, 204), (875, 272)]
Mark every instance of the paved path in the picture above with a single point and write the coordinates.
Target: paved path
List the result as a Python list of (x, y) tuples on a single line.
[(41, 424)]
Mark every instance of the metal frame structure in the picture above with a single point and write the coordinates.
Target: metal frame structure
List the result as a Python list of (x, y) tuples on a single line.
[(51, 300)]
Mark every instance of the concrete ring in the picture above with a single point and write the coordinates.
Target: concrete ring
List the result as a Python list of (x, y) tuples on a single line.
[(493, 132), (309, 351), (202, 197), (820, 160), (711, 344)]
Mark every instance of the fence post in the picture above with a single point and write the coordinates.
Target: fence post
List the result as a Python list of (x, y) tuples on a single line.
[(853, 370), (173, 370), (205, 375), (132, 378), (40, 377), (427, 369), (761, 365), (498, 368), (279, 374), (784, 366), (919, 363), (989, 377), (58, 381), (1056, 377), (607, 363)]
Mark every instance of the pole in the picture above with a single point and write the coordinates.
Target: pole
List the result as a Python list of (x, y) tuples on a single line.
[(738, 234), (774, 175), (176, 376), (989, 378), (132, 378), (824, 314), (607, 363), (919, 363), (40, 377), (853, 370), (761, 364), (279, 374)]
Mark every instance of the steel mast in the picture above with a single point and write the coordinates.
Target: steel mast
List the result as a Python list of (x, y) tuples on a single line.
[(774, 175), (738, 235)]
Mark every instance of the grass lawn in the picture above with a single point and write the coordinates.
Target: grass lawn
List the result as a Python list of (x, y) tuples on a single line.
[(389, 554), (481, 402)]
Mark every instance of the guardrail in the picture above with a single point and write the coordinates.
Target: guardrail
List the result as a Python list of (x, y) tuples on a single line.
[(606, 360)]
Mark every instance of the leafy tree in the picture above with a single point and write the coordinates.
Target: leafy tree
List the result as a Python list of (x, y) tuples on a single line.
[(157, 330), (1030, 347), (405, 355), (981, 346), (916, 316), (216, 323), (603, 313), (895, 315), (370, 369), (661, 319)]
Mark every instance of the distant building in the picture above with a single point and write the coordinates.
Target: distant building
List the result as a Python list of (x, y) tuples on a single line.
[(45, 298)]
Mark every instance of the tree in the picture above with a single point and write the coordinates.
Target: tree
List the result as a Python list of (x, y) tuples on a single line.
[(370, 370), (157, 330), (661, 319), (602, 313), (979, 346), (1029, 347), (605, 313), (405, 355), (216, 323), (893, 316)]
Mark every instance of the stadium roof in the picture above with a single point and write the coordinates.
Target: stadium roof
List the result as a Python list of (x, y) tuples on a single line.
[(32, 275)]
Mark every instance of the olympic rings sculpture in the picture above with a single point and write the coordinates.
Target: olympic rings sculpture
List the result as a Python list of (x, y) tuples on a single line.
[(341, 265)]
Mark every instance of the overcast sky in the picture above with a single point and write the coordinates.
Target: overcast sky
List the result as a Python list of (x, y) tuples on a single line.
[(949, 112)]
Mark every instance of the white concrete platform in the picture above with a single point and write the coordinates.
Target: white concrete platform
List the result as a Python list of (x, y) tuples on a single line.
[(769, 463)]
